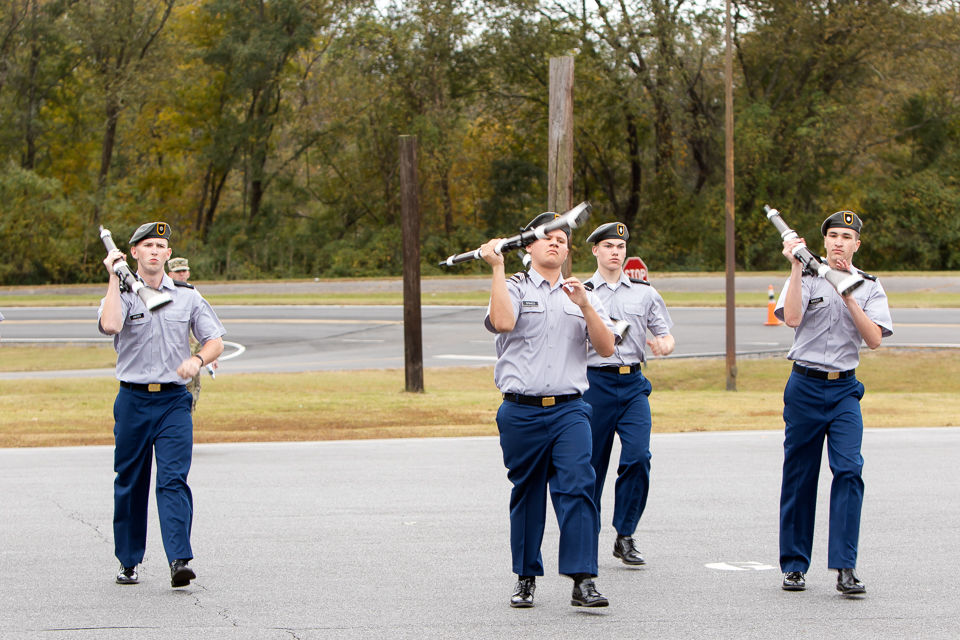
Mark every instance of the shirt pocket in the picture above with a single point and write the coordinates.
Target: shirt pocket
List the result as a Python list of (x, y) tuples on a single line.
[(816, 304), (531, 317), (139, 327), (176, 323), (138, 324), (819, 313), (575, 325), (635, 313)]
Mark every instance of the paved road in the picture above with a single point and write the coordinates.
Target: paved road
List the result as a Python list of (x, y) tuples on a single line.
[(409, 539), (312, 338), (664, 282)]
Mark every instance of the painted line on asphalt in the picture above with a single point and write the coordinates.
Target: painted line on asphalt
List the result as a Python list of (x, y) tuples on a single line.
[(749, 565)]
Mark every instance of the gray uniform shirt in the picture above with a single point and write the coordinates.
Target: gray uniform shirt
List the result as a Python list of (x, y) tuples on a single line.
[(638, 304), (152, 345), (826, 337), (546, 353)]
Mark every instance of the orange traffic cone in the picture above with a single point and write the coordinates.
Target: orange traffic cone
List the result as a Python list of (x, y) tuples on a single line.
[(771, 305)]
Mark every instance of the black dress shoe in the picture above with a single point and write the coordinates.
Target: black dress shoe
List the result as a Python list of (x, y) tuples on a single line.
[(793, 581), (522, 597), (624, 549), (848, 584), (585, 594), (180, 573), (127, 575)]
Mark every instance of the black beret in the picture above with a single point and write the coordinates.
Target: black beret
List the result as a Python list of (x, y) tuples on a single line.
[(609, 231), (843, 219), (151, 230), (544, 218)]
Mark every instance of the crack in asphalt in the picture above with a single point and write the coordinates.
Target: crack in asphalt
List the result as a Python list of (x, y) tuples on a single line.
[(78, 517)]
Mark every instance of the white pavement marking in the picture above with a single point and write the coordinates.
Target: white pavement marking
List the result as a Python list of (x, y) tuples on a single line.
[(739, 566), (239, 348)]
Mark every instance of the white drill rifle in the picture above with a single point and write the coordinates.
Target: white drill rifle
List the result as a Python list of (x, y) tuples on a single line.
[(843, 281), (571, 219), (128, 282)]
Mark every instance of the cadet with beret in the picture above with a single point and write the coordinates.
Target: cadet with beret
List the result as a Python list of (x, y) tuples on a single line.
[(152, 411), (618, 389), (543, 324), (822, 401)]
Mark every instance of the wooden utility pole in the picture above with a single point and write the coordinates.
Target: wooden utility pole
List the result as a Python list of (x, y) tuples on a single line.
[(560, 140), (730, 211), (410, 213)]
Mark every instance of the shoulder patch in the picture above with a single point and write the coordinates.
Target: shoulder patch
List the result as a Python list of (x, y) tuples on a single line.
[(177, 283), (588, 286), (636, 281), (867, 276), (518, 277)]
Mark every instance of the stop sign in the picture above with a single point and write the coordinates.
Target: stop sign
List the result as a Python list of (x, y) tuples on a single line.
[(637, 265)]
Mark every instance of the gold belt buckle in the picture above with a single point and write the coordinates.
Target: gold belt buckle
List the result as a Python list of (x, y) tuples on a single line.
[(833, 375), (548, 401), (153, 387), (625, 369)]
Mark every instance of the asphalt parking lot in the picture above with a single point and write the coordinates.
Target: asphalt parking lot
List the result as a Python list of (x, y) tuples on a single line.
[(408, 539)]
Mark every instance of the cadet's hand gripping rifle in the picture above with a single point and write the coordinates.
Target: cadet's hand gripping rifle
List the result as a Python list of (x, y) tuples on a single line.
[(843, 281), (128, 282), (573, 219)]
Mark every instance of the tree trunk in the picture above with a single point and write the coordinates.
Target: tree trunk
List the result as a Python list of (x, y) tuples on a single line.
[(632, 209), (106, 154)]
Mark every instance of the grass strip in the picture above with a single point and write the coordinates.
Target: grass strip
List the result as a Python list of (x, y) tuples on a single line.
[(56, 356), (905, 388)]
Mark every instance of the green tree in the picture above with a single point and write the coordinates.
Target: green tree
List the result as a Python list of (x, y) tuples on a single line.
[(812, 112), (252, 59), (117, 36), (39, 229)]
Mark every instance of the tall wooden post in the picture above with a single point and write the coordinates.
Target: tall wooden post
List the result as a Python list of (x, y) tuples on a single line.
[(560, 140), (410, 213), (731, 262)]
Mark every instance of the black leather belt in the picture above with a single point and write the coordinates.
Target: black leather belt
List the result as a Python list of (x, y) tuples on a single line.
[(622, 369), (153, 387), (540, 401), (822, 375)]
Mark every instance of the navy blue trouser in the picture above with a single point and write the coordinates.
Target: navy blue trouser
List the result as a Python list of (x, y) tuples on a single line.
[(550, 446), (814, 410), (146, 424), (621, 406)]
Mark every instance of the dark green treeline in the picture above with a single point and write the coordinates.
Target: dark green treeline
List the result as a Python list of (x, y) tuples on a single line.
[(266, 132)]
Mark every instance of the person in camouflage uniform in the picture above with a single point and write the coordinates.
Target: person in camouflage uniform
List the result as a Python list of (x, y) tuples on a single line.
[(179, 271)]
